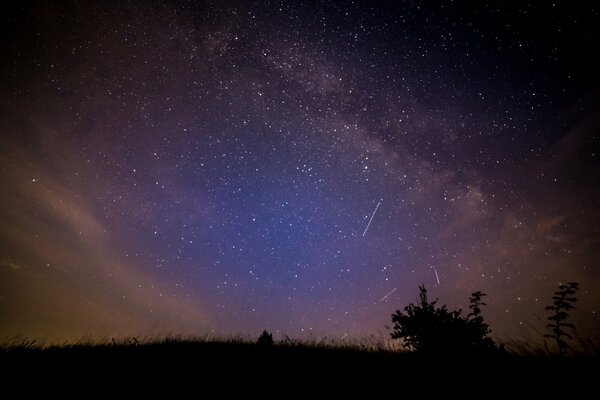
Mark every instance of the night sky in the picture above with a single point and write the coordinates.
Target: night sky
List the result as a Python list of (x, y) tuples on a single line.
[(220, 168)]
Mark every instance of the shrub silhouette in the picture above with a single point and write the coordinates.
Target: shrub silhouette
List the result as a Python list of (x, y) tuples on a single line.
[(563, 302), (428, 328), (265, 339)]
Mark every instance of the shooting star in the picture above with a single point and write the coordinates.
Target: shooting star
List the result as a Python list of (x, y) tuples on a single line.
[(387, 295), (344, 336), (369, 224), (436, 276)]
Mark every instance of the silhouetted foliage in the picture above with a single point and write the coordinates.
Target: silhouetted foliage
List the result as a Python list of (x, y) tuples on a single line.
[(265, 339), (477, 328), (426, 327), (563, 302)]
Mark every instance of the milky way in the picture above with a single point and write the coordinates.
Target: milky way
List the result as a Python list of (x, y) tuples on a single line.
[(213, 168)]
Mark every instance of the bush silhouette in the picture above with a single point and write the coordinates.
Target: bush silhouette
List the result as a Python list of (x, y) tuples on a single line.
[(428, 328), (265, 339), (563, 302)]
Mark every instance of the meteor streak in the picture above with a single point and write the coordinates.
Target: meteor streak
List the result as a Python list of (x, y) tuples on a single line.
[(369, 224), (387, 295)]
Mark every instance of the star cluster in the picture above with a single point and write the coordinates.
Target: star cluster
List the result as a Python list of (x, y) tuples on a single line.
[(301, 167)]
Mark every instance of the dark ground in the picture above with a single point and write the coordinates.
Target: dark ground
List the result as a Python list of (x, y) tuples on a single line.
[(218, 369)]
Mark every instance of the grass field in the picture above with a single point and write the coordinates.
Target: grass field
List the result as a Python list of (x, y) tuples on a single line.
[(187, 362)]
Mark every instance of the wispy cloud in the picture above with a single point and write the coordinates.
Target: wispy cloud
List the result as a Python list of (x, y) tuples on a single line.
[(76, 282)]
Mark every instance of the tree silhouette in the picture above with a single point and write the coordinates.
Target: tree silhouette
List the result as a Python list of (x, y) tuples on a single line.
[(428, 328), (265, 339), (563, 302)]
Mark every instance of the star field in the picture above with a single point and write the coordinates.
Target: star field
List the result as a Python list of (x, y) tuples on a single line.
[(210, 167)]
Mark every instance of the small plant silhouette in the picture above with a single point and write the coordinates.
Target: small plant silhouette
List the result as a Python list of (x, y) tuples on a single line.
[(428, 328), (477, 328), (563, 302), (265, 339)]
